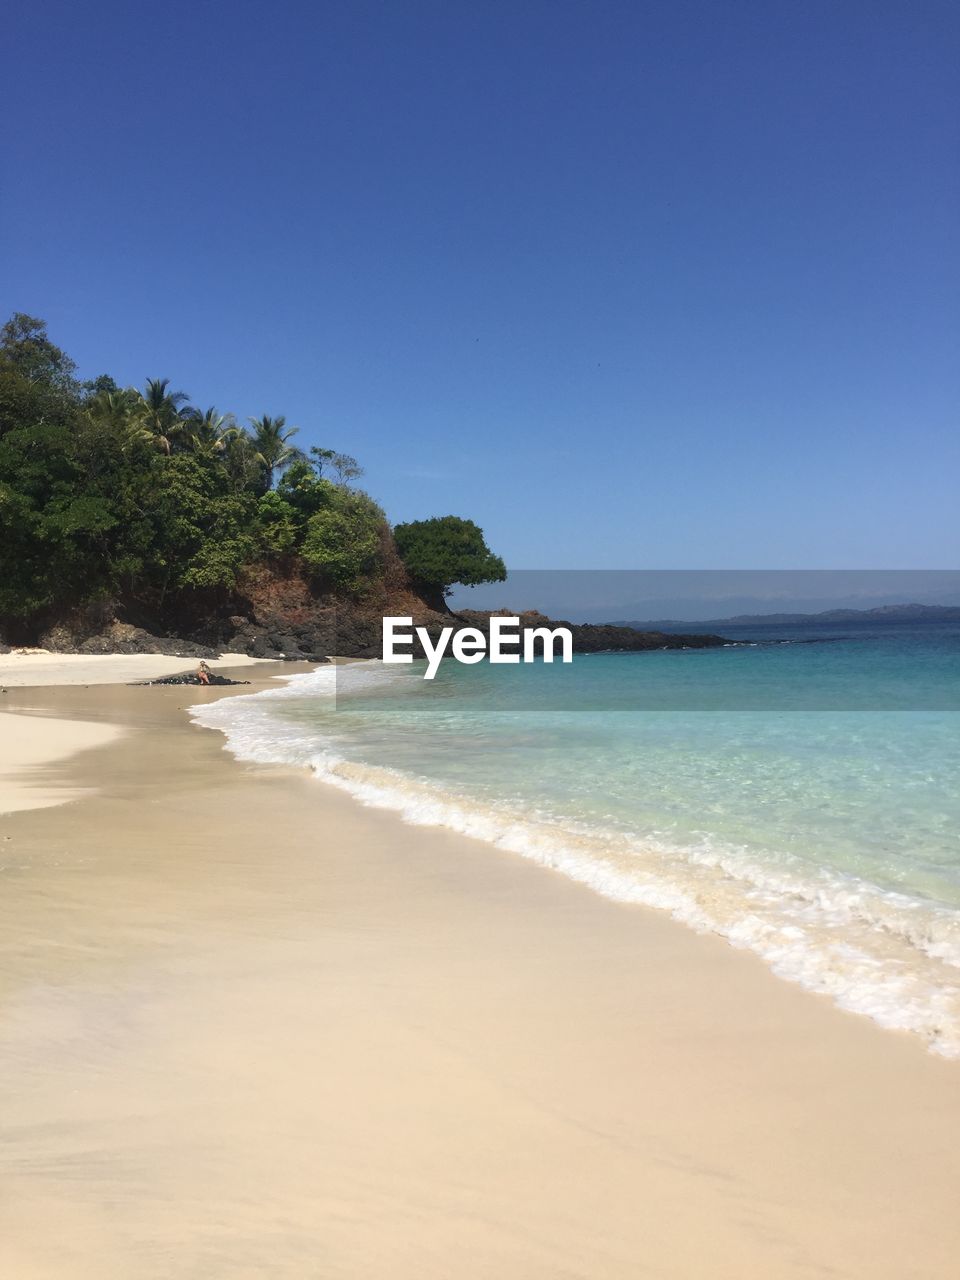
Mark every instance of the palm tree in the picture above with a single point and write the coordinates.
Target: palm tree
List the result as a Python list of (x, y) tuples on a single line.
[(121, 413), (241, 460), (208, 432), (165, 413), (270, 443)]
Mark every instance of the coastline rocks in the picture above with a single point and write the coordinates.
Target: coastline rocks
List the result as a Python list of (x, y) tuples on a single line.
[(122, 637), (356, 632), (259, 642), (282, 616), (348, 630), (135, 640), (606, 638), (190, 677), (307, 635)]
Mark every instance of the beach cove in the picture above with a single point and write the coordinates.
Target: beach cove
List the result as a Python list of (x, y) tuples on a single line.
[(252, 1028)]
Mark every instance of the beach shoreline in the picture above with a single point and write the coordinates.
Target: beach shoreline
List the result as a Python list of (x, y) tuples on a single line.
[(33, 741), (38, 668), (30, 746), (252, 1028)]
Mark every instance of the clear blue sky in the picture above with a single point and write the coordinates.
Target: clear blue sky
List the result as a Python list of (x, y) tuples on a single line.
[(633, 285)]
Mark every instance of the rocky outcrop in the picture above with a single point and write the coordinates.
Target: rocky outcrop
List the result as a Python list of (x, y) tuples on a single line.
[(121, 637), (300, 640), (606, 638), (347, 629), (279, 614), (190, 677)]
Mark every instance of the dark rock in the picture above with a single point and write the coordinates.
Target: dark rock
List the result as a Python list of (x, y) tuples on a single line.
[(260, 647), (190, 677), (239, 644), (605, 638), (59, 639), (125, 639), (289, 645)]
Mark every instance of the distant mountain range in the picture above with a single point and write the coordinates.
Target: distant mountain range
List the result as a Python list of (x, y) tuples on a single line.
[(885, 613)]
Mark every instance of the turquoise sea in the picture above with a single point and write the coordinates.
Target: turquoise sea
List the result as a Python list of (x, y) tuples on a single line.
[(797, 792)]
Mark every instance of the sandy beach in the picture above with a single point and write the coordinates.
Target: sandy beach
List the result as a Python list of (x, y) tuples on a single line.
[(38, 667), (30, 746), (249, 1028)]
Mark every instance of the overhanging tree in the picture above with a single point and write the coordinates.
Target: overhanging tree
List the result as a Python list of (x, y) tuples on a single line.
[(445, 550)]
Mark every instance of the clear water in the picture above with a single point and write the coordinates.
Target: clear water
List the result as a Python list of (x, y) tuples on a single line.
[(796, 793)]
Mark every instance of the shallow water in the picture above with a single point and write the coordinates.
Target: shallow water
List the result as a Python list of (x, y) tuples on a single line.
[(796, 792)]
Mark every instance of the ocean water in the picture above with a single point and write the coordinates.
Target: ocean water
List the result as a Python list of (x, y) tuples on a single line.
[(796, 793)]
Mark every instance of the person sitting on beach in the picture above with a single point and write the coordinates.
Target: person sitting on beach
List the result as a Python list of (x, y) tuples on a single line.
[(203, 673)]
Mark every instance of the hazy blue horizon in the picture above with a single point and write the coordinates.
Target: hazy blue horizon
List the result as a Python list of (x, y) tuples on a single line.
[(599, 595)]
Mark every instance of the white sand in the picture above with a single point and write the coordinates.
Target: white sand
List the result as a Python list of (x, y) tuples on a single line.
[(28, 744), (251, 1030), (38, 667)]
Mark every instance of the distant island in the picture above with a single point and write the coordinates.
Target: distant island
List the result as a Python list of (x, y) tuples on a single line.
[(883, 613)]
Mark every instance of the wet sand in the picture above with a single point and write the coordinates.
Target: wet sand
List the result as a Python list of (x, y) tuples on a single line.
[(29, 745), (249, 1028)]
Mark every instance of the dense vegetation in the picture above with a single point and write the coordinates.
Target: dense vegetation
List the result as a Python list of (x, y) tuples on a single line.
[(109, 494)]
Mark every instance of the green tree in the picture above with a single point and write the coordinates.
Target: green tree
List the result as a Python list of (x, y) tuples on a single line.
[(203, 531), (305, 491), (278, 527), (239, 459), (343, 539), (37, 386), (95, 386), (26, 348), (119, 412), (271, 442), (55, 528), (445, 550), (207, 432), (166, 414), (344, 466)]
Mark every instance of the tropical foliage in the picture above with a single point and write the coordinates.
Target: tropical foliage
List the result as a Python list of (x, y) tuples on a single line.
[(110, 492)]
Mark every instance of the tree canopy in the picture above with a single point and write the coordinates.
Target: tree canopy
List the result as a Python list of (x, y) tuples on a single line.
[(111, 493), (445, 550)]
